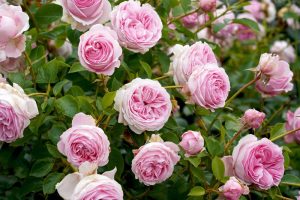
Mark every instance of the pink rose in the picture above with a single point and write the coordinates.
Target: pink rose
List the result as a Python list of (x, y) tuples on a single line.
[(12, 65), (16, 110), (99, 50), (208, 5), (187, 59), (244, 32), (298, 197), (143, 104), (228, 31), (84, 14), (192, 143), (209, 86), (285, 51), (154, 162), (292, 123), (276, 75), (13, 22), (190, 21), (84, 141), (253, 118), (87, 184), (258, 162), (255, 9), (233, 189), (138, 26)]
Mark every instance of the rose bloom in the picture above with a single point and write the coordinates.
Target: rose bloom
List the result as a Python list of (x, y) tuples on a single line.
[(255, 9), (298, 197), (143, 105), (16, 110), (13, 22), (253, 118), (209, 86), (270, 10), (138, 26), (187, 59), (154, 162), (285, 51), (258, 162), (84, 141), (229, 30), (87, 184), (233, 189), (190, 21), (12, 65), (84, 14), (246, 33), (292, 123), (276, 75), (99, 50), (293, 23), (208, 5), (192, 143)]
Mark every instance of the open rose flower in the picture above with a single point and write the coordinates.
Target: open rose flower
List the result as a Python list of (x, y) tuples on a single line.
[(258, 162), (87, 184), (13, 22), (99, 50), (209, 86), (284, 50), (292, 123), (255, 9), (253, 118), (208, 5), (143, 105), (84, 14), (190, 21), (276, 75), (138, 26), (16, 110), (192, 143), (187, 59), (246, 33), (233, 189), (154, 162), (84, 141)]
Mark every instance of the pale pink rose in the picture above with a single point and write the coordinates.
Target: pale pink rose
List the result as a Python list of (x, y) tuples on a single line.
[(209, 86), (154, 162), (16, 110), (138, 26), (87, 184), (276, 75), (2, 2), (245, 32), (233, 189), (13, 22), (12, 65), (285, 51), (293, 23), (208, 5), (192, 143), (255, 9), (187, 59), (143, 105), (229, 30), (298, 197), (258, 162), (65, 50), (84, 141), (253, 118), (99, 50), (84, 14), (270, 10), (203, 18), (190, 21), (292, 123)]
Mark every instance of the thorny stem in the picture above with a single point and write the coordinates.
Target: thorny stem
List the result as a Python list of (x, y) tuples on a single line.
[(284, 134)]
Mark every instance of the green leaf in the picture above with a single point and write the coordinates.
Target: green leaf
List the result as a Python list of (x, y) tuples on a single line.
[(53, 151), (218, 168), (194, 160), (217, 27), (67, 105), (50, 181), (248, 22), (58, 87), (49, 72), (147, 68), (76, 67), (41, 167), (108, 99), (48, 13), (289, 179), (277, 130), (197, 191), (214, 147), (73, 36)]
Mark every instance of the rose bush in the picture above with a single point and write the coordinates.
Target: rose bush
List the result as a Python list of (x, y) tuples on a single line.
[(146, 99)]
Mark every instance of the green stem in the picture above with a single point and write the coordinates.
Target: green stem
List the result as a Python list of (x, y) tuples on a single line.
[(162, 77), (37, 94), (284, 134), (236, 135), (184, 15), (30, 68), (173, 87), (27, 9)]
